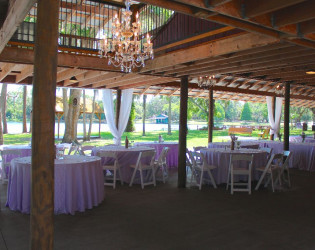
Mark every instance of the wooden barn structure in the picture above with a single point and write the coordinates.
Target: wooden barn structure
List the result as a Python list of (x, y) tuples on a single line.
[(252, 47)]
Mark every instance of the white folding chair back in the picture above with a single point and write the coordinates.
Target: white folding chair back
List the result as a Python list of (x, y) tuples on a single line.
[(74, 150), (189, 165), (284, 173), (269, 152), (196, 149), (161, 164), (111, 170), (146, 170), (274, 164), (200, 168), (240, 171), (62, 147), (86, 150), (7, 153)]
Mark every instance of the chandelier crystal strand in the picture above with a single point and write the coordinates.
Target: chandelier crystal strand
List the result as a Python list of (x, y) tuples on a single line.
[(206, 81), (124, 50)]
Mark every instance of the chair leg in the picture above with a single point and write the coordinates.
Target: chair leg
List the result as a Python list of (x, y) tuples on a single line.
[(232, 182), (114, 179), (249, 183), (272, 185), (141, 178), (260, 180), (153, 176), (228, 180), (133, 176), (212, 179), (120, 177), (201, 179)]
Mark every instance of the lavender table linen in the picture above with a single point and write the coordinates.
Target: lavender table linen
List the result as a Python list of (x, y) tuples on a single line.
[(221, 158), (172, 156), (126, 157), (247, 144), (79, 184)]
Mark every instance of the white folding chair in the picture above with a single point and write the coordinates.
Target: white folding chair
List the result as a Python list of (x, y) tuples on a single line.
[(161, 164), (111, 169), (86, 150), (245, 171), (189, 166), (201, 168), (284, 172), (144, 168), (74, 150), (269, 152), (273, 165), (5, 164), (196, 149), (62, 147)]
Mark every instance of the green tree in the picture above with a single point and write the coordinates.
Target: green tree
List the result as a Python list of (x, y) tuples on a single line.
[(246, 113), (131, 122)]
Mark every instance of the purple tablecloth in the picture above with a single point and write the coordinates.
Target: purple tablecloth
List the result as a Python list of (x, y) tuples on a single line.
[(221, 158), (172, 156), (247, 144), (79, 184), (126, 157), (25, 150), (299, 139)]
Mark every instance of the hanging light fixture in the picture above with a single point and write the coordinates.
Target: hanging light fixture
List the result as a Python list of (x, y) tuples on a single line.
[(125, 50), (279, 89), (206, 81)]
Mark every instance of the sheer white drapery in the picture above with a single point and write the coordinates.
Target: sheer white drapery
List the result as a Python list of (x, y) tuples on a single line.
[(274, 121), (126, 100)]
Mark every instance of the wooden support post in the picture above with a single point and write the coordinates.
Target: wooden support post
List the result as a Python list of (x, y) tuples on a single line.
[(286, 145), (182, 132), (210, 120), (43, 138), (118, 103), (144, 111)]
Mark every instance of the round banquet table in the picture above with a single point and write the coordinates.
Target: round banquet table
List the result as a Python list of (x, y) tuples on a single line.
[(221, 158), (172, 156), (247, 144), (79, 184), (126, 157), (303, 154)]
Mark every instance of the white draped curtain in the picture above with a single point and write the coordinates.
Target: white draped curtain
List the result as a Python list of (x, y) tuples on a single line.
[(126, 100), (274, 121)]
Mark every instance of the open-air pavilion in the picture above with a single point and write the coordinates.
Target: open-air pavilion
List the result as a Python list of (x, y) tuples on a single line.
[(252, 49)]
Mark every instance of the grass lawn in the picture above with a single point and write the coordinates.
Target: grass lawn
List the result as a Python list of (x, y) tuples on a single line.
[(194, 137)]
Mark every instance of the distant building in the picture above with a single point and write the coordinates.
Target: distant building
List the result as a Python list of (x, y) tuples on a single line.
[(161, 119)]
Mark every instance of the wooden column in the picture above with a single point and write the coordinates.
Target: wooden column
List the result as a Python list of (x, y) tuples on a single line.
[(144, 111), (118, 103), (182, 132), (210, 120), (286, 117), (43, 138)]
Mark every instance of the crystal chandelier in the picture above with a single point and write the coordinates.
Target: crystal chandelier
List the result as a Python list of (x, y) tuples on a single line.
[(206, 81), (125, 50)]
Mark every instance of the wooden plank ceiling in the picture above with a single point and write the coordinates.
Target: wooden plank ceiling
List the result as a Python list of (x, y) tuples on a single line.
[(277, 45)]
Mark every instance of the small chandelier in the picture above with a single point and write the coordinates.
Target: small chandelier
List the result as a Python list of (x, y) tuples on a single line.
[(125, 50), (279, 89), (206, 81)]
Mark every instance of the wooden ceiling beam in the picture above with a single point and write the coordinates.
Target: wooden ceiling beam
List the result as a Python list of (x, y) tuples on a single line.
[(26, 72), (255, 8), (26, 56), (67, 74), (213, 49), (303, 11), (5, 70), (307, 27), (156, 81)]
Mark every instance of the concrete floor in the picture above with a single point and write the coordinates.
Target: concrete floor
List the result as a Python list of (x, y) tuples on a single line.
[(166, 217)]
